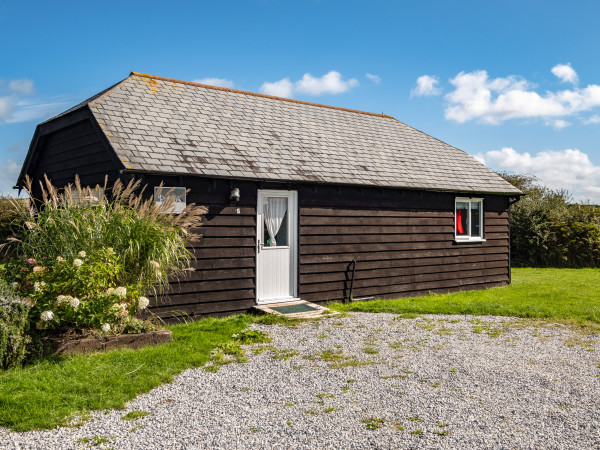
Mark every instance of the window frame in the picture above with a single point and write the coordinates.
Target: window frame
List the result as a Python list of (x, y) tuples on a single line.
[(470, 238)]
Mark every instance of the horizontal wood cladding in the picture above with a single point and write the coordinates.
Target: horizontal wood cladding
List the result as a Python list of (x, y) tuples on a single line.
[(320, 298), (342, 267), (408, 289), (224, 277), (403, 243), (400, 250), (78, 149)]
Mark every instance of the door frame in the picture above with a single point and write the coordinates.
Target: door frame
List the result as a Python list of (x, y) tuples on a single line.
[(292, 197)]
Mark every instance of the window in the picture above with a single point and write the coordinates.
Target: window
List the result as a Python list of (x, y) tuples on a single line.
[(161, 194), (468, 215), (89, 196), (275, 229)]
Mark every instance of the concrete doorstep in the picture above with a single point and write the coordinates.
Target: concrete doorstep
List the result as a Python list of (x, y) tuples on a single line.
[(306, 310)]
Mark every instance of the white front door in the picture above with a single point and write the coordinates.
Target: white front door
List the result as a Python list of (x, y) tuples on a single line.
[(277, 244)]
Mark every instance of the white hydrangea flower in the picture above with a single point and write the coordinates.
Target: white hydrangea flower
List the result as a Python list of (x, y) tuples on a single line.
[(123, 306), (60, 258), (106, 328), (77, 262), (37, 286), (47, 316), (63, 299), (74, 302), (121, 291), (82, 254), (15, 285), (110, 291), (143, 303)]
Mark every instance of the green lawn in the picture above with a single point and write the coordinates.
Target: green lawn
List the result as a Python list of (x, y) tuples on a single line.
[(571, 295), (51, 391)]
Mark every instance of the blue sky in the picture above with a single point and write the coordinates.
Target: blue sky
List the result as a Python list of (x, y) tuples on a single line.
[(514, 83)]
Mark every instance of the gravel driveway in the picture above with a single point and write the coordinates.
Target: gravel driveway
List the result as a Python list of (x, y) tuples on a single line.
[(371, 380)]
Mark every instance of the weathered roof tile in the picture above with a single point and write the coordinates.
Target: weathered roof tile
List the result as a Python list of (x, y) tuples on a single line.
[(179, 126)]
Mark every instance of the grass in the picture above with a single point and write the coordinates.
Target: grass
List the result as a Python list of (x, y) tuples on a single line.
[(373, 423), (135, 415), (60, 390), (567, 295)]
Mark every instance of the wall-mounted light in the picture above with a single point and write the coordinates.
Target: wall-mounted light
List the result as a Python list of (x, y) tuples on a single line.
[(234, 195)]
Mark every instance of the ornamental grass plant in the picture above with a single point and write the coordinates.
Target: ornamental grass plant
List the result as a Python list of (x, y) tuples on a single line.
[(86, 257)]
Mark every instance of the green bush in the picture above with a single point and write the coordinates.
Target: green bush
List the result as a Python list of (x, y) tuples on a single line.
[(85, 261), (14, 328), (548, 230)]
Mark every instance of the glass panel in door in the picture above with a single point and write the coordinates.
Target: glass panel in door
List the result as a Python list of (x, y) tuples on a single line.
[(276, 218)]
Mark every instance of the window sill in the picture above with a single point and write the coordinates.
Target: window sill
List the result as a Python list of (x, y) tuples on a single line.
[(468, 240)]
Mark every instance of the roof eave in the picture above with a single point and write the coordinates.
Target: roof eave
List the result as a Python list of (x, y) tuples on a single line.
[(318, 182)]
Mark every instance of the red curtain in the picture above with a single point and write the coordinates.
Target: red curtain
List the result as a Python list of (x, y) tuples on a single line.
[(459, 227)]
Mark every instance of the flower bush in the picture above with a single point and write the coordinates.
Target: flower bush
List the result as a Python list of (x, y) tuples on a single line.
[(88, 264)]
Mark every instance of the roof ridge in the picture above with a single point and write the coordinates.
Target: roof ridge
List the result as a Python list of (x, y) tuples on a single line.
[(255, 94)]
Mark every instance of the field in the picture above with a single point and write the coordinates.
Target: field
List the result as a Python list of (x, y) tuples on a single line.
[(569, 295)]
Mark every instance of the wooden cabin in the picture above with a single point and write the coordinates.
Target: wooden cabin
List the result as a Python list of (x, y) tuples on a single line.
[(302, 197)]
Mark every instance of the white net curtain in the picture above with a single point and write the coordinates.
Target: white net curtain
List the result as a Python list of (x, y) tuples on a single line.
[(274, 212)]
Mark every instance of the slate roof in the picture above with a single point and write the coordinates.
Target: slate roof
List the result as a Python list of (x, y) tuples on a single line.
[(159, 124)]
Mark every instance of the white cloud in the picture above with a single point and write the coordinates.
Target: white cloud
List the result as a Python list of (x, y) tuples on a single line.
[(594, 119), (330, 83), (17, 104), (559, 124), (222, 82), (9, 171), (477, 97), (426, 86), (7, 106), (22, 86), (36, 109), (281, 88), (374, 78), (569, 169), (565, 73)]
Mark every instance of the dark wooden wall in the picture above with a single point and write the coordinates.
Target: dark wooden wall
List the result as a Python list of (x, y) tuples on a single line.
[(76, 149), (224, 279), (402, 241)]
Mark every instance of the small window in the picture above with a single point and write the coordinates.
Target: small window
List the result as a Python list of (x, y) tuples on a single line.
[(468, 219), (177, 193), (89, 196)]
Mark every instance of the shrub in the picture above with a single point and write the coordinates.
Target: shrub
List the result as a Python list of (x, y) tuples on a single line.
[(14, 328), (86, 261), (547, 230)]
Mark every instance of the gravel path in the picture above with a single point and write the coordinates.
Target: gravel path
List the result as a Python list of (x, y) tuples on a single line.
[(371, 380)]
